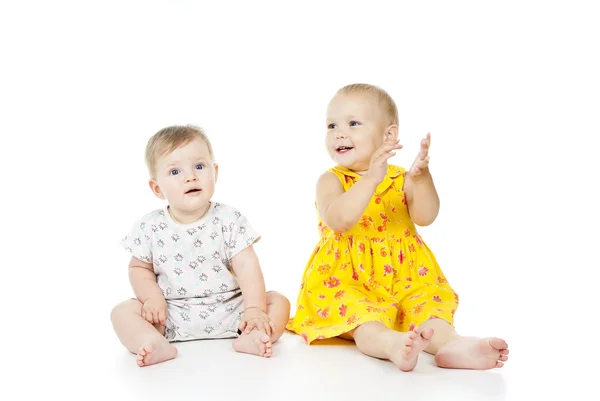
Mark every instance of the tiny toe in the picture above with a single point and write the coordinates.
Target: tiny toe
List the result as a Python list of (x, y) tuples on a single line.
[(504, 352), (498, 343), (261, 348), (503, 358), (427, 333), (412, 335), (499, 364)]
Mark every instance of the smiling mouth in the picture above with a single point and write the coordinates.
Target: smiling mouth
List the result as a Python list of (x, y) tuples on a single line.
[(344, 149), (191, 191)]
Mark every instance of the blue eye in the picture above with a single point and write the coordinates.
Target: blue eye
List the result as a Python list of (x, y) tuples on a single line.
[(174, 172), (199, 166)]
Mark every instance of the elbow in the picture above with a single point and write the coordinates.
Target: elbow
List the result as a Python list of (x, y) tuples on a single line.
[(339, 225), (424, 221), (342, 228)]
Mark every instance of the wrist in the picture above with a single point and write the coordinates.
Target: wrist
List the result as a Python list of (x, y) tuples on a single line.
[(146, 299), (371, 181)]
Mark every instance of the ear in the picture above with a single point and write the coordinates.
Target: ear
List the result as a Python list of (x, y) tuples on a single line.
[(156, 189), (391, 133), (216, 171)]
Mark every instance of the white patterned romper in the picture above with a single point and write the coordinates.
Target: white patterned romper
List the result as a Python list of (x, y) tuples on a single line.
[(192, 267)]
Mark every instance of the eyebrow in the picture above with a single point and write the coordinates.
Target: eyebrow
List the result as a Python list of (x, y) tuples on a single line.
[(350, 118), (175, 163)]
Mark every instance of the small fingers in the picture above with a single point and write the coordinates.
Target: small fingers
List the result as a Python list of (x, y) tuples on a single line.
[(384, 157), (149, 317), (267, 328), (385, 148)]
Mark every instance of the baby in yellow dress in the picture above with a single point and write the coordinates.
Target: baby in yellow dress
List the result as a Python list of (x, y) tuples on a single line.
[(372, 278)]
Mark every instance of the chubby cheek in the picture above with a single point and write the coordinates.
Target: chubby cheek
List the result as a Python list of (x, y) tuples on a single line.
[(208, 184), (329, 140), (171, 190)]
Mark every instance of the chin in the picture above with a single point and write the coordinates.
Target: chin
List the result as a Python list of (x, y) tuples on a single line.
[(343, 162), (347, 163)]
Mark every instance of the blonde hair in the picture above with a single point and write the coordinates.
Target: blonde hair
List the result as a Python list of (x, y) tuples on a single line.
[(385, 100), (170, 138)]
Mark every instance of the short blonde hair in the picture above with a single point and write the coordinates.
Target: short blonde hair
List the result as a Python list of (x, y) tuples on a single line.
[(170, 138), (385, 100)]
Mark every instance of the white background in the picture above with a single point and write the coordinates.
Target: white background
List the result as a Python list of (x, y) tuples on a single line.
[(509, 92)]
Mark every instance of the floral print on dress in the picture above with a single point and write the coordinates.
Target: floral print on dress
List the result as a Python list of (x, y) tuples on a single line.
[(380, 270)]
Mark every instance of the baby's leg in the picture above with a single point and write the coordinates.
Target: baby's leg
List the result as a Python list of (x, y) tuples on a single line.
[(376, 340), (139, 336), (259, 343), (278, 309), (454, 351)]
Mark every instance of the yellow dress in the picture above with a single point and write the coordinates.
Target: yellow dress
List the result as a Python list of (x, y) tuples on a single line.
[(381, 270)]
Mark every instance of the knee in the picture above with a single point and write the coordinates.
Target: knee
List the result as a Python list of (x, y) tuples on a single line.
[(274, 297), (126, 307)]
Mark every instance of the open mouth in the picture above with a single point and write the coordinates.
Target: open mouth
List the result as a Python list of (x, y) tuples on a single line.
[(344, 149), (194, 190)]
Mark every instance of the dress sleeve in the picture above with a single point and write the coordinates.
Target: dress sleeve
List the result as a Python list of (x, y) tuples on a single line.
[(240, 235), (138, 241)]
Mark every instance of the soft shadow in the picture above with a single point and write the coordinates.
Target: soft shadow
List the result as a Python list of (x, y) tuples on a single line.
[(336, 341)]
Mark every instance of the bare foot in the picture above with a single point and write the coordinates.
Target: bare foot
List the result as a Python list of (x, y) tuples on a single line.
[(473, 353), (405, 350), (155, 352), (256, 343)]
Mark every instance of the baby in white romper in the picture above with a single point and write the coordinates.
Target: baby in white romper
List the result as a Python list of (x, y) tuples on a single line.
[(193, 268)]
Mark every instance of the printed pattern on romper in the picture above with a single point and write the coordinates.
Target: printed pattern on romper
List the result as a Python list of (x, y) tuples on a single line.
[(193, 268)]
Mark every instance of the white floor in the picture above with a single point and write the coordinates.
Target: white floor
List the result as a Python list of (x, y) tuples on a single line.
[(210, 370)]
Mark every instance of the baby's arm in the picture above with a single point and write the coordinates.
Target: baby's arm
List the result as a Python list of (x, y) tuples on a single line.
[(143, 280), (421, 196), (341, 210), (147, 291), (422, 199), (247, 269)]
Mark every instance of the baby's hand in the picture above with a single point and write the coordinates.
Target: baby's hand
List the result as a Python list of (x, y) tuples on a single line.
[(155, 309), (379, 166), (254, 318), (422, 161)]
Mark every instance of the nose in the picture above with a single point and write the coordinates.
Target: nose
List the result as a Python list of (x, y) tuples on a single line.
[(191, 178), (340, 135)]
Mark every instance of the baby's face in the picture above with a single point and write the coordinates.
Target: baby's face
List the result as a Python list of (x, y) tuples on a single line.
[(354, 130), (186, 177)]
